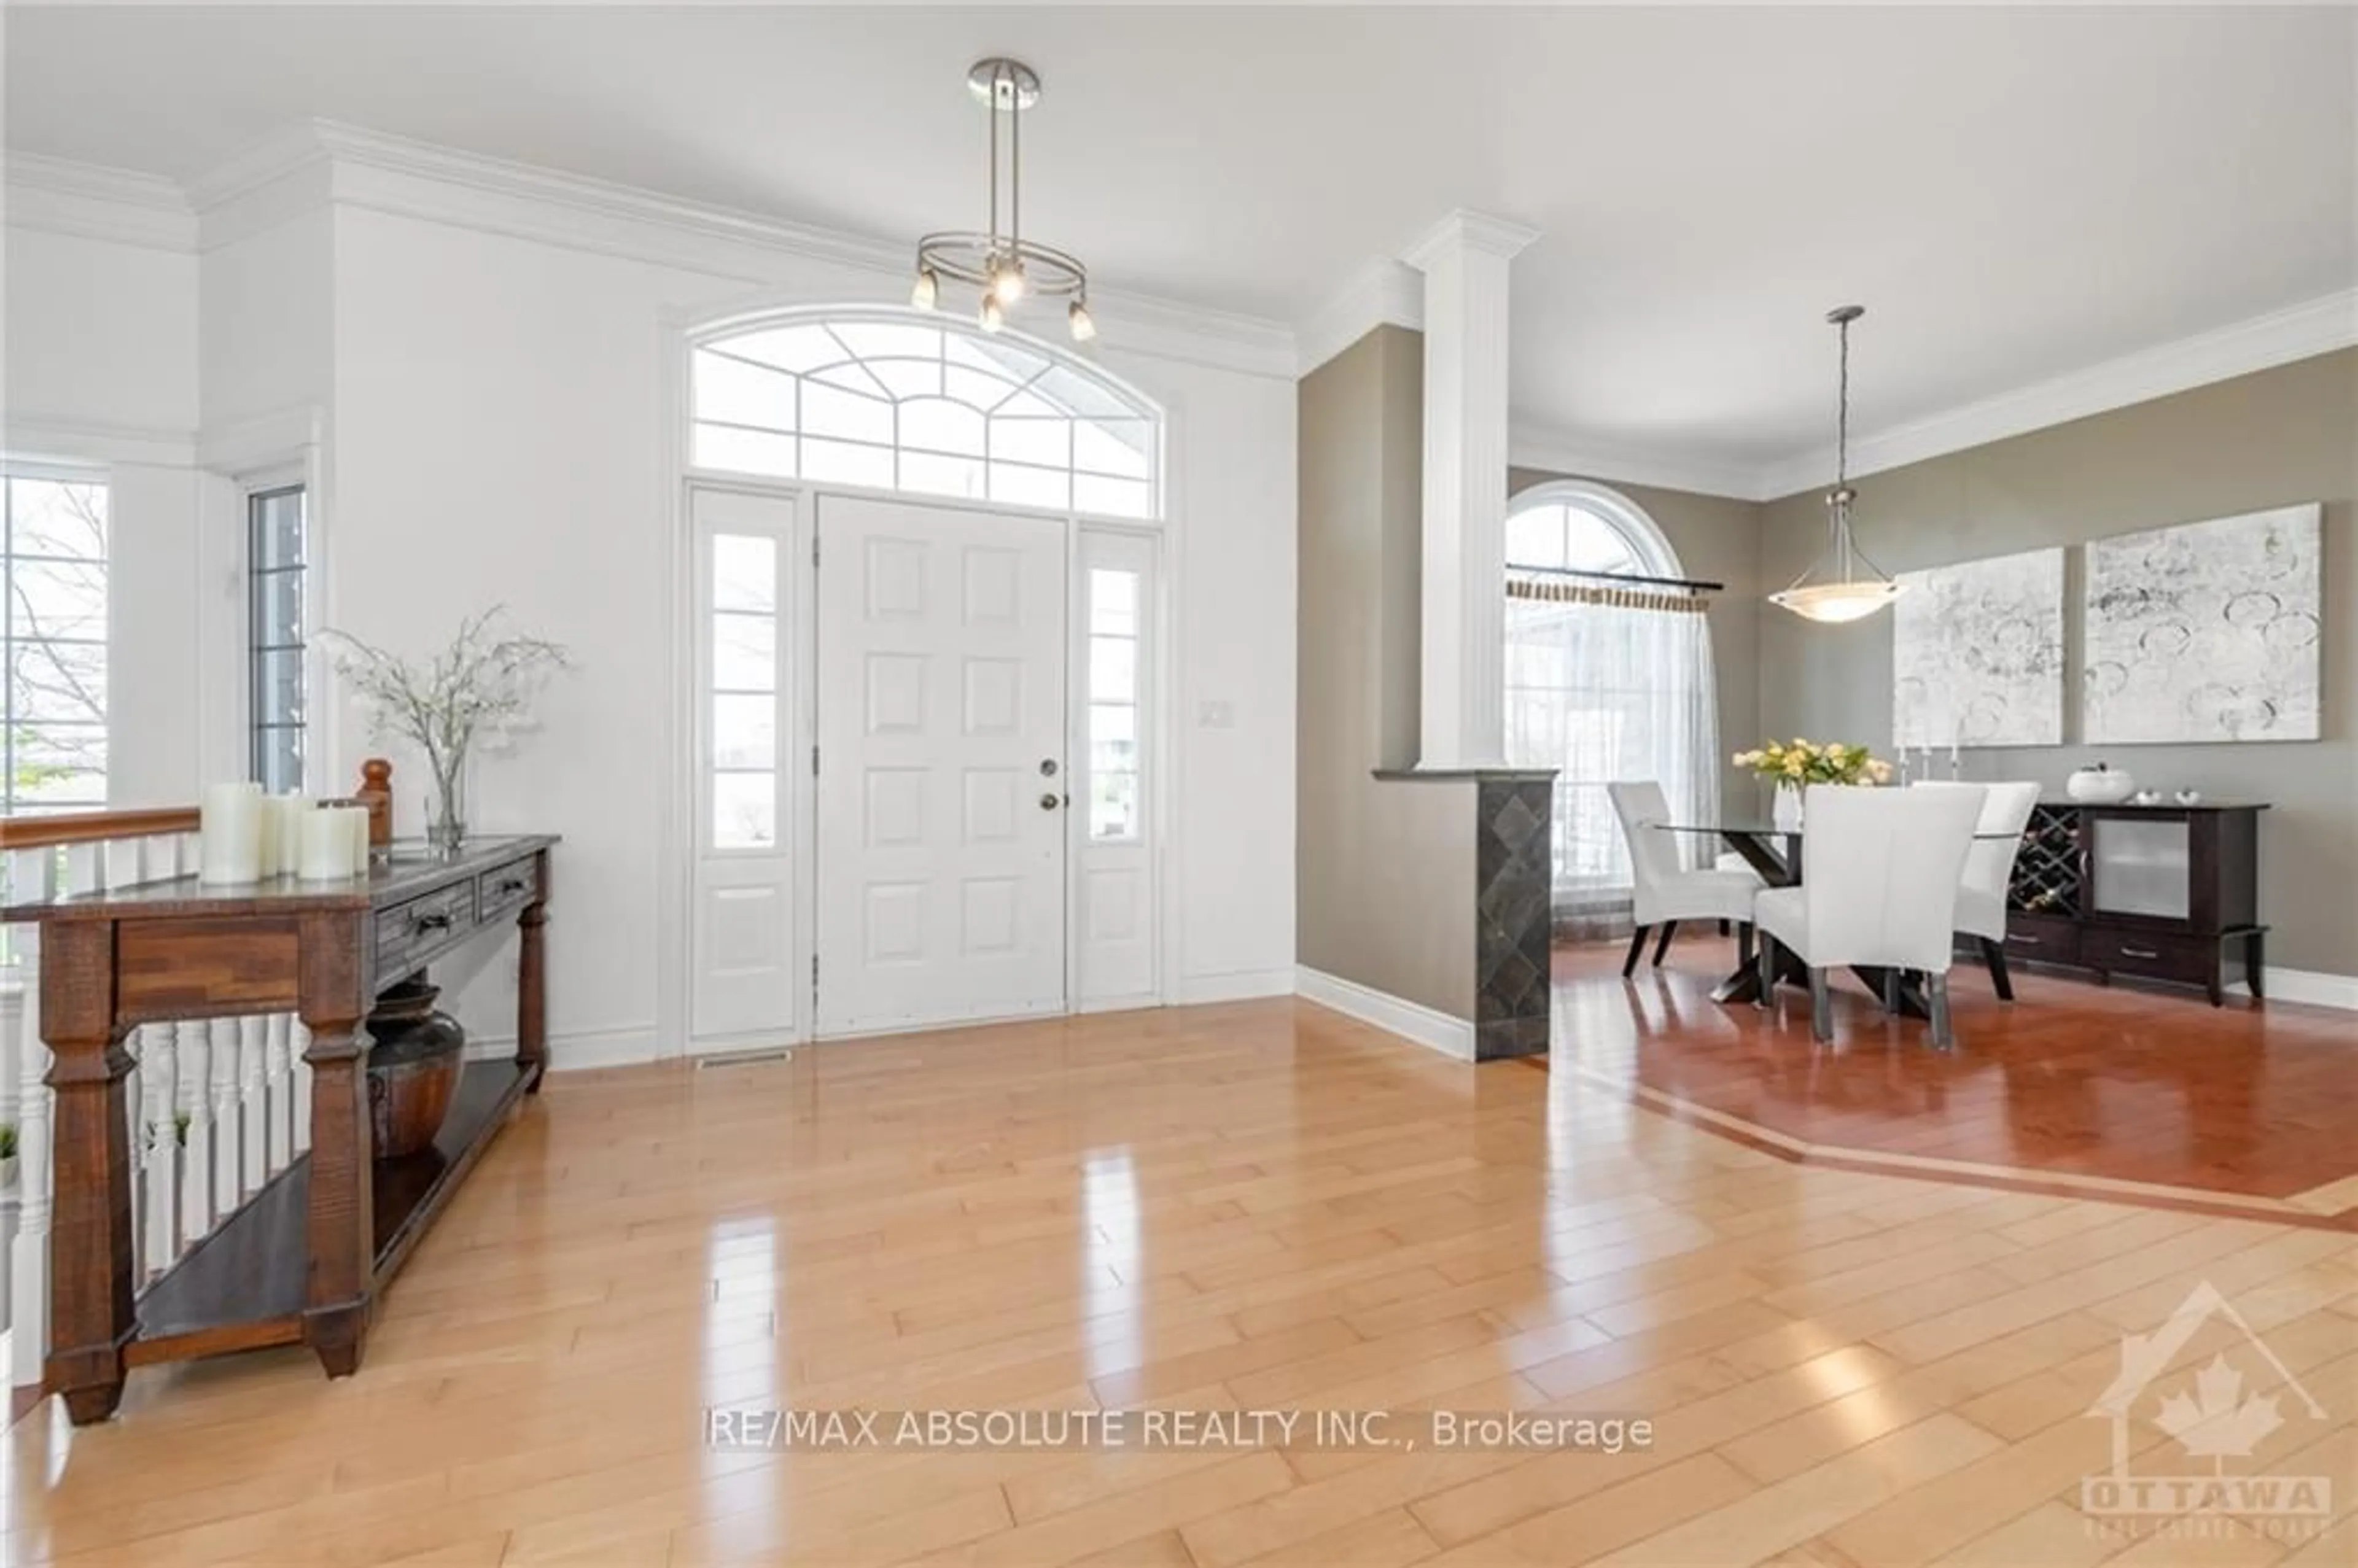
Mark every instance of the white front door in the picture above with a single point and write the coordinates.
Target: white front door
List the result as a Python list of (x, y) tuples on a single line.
[(743, 988), (942, 795)]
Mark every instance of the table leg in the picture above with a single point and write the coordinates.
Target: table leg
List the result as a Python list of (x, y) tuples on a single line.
[(91, 1249), (532, 986), (340, 1229), (1895, 985), (2255, 963)]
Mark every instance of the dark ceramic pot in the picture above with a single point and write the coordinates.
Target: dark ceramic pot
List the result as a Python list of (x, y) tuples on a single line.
[(413, 1068)]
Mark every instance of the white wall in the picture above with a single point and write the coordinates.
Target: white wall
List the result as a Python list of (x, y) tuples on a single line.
[(101, 372), (498, 436), (486, 406)]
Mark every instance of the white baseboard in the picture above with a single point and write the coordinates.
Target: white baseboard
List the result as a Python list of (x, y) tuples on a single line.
[(2308, 987), (1452, 1037), (576, 1052), (1235, 986)]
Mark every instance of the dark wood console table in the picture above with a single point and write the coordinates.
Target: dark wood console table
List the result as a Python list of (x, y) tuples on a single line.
[(2159, 893), (307, 1257)]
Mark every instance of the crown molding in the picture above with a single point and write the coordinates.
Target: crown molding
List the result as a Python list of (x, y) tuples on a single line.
[(1561, 455), (34, 438), (1466, 229), (98, 204), (1384, 293), (2314, 327), (394, 174), (239, 446)]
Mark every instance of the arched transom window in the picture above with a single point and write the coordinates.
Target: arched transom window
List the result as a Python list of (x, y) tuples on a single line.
[(926, 407), (1577, 530)]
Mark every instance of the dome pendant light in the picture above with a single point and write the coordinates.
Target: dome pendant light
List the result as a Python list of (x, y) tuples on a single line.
[(1007, 267), (1842, 591)]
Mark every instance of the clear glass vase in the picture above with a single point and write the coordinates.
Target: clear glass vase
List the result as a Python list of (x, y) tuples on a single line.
[(446, 813)]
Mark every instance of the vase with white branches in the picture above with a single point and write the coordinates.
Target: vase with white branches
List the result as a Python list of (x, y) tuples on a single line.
[(478, 689)]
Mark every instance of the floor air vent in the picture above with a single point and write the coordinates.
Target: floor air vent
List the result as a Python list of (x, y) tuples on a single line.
[(744, 1058)]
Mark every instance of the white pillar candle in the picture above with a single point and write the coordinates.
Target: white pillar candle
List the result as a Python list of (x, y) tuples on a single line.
[(327, 853), (229, 830), (356, 819), (287, 821)]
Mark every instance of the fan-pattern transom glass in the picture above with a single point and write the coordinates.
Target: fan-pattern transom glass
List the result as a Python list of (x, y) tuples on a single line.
[(928, 408)]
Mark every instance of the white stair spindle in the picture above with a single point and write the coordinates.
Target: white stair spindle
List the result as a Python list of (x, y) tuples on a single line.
[(158, 1144), (224, 1138), (195, 1145), (300, 1042), (135, 1095), (252, 1137), (278, 1090), (13, 1002), (33, 875)]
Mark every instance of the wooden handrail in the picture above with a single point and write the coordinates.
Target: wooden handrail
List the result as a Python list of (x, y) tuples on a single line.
[(94, 827)]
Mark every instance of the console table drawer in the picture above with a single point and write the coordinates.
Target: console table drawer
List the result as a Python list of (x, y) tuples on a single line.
[(409, 934), (2191, 959), (2043, 940), (503, 888)]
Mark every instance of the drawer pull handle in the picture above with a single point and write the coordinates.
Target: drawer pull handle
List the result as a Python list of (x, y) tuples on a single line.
[(425, 922), (514, 885), (2128, 952), (2027, 941)]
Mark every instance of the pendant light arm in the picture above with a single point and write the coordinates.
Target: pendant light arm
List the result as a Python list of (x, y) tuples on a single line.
[(1844, 594)]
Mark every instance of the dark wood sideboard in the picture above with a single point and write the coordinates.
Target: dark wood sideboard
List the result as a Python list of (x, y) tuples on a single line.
[(2158, 893), (306, 1258)]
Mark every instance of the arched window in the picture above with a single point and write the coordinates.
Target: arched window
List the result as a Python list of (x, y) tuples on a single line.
[(918, 404), (1602, 683)]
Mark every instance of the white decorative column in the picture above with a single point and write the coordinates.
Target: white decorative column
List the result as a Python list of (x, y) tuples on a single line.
[(1464, 262)]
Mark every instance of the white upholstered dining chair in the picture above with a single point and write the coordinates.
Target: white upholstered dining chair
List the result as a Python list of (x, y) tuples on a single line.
[(1880, 870), (1664, 891), (1989, 870)]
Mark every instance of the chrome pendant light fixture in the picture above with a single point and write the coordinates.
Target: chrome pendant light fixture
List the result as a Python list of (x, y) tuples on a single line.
[(999, 260), (1842, 584)]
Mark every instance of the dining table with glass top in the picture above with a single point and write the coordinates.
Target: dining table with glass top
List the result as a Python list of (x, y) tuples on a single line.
[(1774, 851)]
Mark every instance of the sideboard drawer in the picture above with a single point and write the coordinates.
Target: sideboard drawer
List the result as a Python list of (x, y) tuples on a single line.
[(2043, 940), (503, 888), (409, 934), (2191, 959)]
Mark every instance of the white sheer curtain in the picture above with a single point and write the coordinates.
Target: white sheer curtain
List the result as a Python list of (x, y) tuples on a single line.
[(1605, 692)]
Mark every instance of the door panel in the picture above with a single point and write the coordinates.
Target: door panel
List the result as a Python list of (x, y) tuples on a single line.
[(941, 787), (743, 981)]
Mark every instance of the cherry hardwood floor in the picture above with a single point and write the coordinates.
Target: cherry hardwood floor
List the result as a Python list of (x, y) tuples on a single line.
[(1260, 1207), (2071, 1080)]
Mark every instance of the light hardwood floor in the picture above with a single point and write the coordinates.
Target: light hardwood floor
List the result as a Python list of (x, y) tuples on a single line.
[(1255, 1205)]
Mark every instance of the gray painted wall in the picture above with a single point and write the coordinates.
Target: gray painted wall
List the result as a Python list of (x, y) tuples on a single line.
[(2279, 437), (1385, 868)]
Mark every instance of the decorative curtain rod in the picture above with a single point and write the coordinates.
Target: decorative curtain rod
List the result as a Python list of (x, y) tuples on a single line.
[(1672, 601), (1692, 585)]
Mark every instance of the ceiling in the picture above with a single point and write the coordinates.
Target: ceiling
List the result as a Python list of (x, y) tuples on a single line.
[(2015, 194)]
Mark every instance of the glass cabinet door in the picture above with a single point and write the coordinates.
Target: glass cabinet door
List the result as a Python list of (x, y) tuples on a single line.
[(2140, 866)]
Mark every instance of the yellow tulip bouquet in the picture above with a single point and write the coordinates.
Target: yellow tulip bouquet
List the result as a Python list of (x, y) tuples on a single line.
[(1799, 761)]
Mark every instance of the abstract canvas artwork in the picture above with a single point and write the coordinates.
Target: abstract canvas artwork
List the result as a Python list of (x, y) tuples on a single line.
[(2205, 631), (1977, 654)]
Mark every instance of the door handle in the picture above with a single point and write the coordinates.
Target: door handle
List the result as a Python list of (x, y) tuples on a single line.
[(2129, 952), (1049, 801)]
